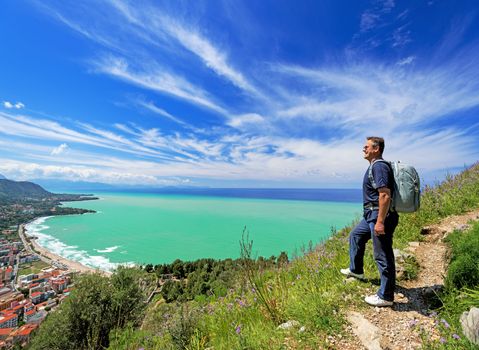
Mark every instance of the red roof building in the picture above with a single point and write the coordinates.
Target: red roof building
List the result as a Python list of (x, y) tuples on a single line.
[(29, 315), (5, 332), (9, 321), (22, 335), (36, 297)]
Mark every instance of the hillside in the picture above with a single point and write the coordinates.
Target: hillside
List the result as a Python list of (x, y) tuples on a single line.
[(22, 189), (308, 304), (22, 201)]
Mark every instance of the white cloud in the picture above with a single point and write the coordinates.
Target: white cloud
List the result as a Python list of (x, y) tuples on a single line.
[(401, 36), (385, 95), (41, 129), (24, 171), (132, 29), (406, 61), (246, 119), (158, 24), (63, 148), (151, 107), (397, 100), (157, 79), (275, 159), (372, 18), (211, 56), (10, 105)]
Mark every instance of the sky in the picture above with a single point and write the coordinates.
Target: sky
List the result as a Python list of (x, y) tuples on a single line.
[(269, 93)]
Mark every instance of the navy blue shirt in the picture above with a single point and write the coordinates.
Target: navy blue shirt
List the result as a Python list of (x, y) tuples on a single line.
[(383, 177)]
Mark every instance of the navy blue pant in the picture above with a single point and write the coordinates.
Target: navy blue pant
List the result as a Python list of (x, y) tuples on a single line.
[(383, 252)]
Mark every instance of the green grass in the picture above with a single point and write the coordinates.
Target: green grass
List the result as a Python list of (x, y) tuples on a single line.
[(309, 290), (33, 267), (462, 290)]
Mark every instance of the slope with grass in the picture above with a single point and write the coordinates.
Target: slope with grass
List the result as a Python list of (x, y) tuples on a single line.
[(309, 291)]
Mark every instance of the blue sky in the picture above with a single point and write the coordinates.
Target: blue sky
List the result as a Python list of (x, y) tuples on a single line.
[(236, 93)]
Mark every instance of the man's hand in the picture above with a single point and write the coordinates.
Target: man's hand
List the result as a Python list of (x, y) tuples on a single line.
[(384, 200), (379, 229)]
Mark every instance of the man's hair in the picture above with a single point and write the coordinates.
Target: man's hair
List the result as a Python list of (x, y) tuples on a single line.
[(377, 142)]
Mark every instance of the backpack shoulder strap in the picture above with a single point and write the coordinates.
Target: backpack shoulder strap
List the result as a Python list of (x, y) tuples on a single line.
[(370, 172)]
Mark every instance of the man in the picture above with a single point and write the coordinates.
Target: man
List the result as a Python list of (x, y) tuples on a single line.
[(378, 223)]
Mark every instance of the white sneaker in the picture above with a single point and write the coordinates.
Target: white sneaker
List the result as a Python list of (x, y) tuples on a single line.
[(375, 300), (347, 272)]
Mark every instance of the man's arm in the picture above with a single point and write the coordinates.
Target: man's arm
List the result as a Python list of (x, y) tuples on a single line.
[(384, 200)]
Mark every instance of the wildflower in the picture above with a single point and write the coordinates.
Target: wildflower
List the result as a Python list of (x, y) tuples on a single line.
[(433, 314), (455, 336), (238, 329), (253, 290), (445, 323), (413, 322), (442, 340), (298, 277)]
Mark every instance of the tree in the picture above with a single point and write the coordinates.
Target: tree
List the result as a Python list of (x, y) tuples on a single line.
[(128, 299), (171, 291), (148, 268), (178, 269), (96, 306), (81, 321), (282, 259)]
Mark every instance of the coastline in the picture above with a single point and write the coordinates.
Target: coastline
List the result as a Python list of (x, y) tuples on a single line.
[(51, 258)]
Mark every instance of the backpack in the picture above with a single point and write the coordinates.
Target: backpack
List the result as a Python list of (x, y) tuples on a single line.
[(406, 194)]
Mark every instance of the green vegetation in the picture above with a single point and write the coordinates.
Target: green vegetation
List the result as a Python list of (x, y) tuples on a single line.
[(309, 289), (33, 267), (96, 306), (204, 278), (21, 202), (21, 189), (464, 266), (201, 308), (461, 292)]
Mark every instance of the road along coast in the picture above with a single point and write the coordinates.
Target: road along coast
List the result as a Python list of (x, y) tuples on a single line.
[(47, 256)]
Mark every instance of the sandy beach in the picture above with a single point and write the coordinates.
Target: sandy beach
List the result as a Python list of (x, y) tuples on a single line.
[(47, 256)]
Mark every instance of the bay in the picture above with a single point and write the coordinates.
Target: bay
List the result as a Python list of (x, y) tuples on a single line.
[(161, 227)]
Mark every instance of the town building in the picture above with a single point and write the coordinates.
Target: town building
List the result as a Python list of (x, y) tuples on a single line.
[(8, 321)]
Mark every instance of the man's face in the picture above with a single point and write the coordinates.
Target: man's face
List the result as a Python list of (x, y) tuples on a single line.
[(370, 152)]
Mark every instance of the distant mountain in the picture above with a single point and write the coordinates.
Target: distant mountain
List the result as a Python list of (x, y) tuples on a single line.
[(83, 186), (2, 177), (75, 186), (22, 189)]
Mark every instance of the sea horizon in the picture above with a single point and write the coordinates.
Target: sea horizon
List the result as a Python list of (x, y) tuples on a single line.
[(291, 193)]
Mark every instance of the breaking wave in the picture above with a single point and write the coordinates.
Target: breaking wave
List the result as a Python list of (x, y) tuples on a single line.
[(71, 252), (108, 249)]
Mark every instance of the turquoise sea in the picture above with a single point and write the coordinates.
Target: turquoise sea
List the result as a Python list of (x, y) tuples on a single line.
[(159, 228)]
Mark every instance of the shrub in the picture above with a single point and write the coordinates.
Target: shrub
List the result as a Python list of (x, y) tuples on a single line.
[(183, 327), (463, 272), (96, 306)]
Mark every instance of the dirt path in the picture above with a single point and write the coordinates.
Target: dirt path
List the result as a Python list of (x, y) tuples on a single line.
[(400, 326)]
